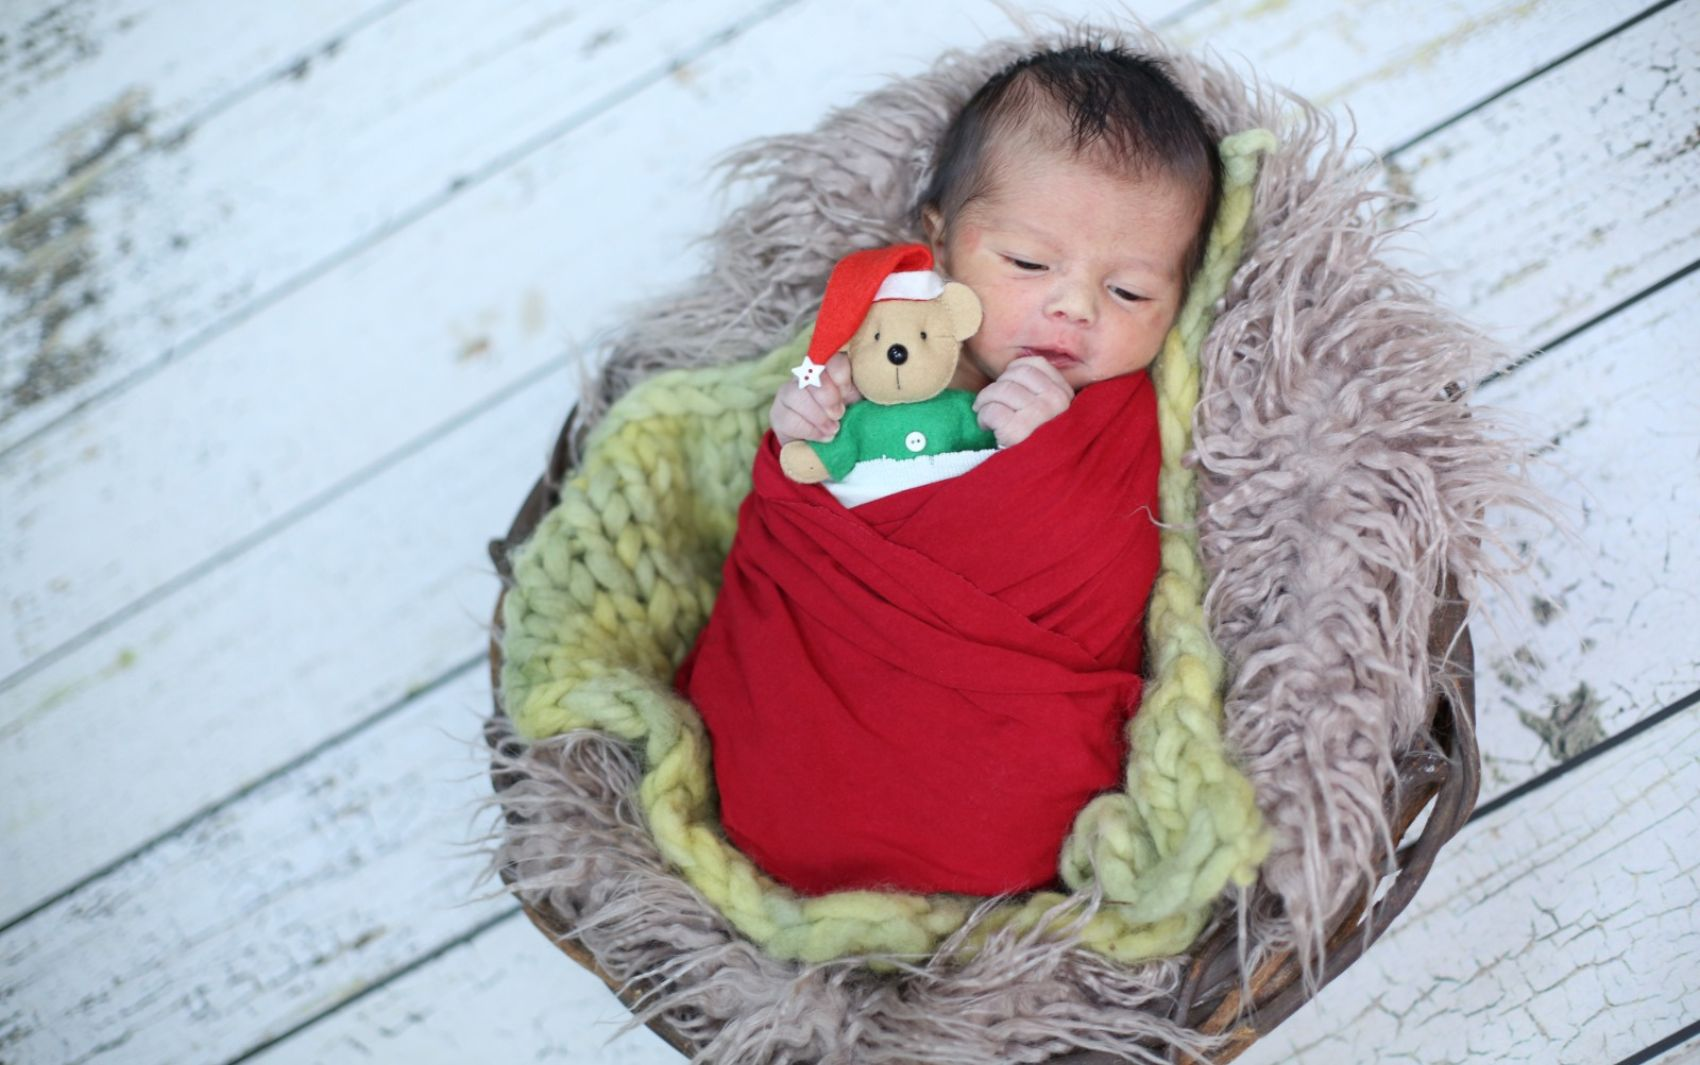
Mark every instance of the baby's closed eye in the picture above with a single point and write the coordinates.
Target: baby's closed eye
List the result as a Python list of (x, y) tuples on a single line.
[(1029, 266)]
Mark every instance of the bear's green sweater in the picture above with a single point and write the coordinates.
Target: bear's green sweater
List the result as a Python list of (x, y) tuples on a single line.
[(903, 431)]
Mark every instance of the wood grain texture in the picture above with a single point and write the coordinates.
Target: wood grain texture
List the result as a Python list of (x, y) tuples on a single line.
[(310, 888), (460, 305), (64, 62), (263, 659), (1559, 929), (197, 226), (462, 1008), (1556, 203), (1599, 633), (86, 91), (1392, 70)]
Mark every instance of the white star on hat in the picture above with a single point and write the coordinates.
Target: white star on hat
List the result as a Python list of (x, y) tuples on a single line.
[(808, 374)]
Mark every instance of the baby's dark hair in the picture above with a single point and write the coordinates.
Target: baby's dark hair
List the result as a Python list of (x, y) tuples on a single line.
[(1124, 107)]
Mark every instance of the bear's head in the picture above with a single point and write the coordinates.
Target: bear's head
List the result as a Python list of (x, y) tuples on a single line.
[(905, 351)]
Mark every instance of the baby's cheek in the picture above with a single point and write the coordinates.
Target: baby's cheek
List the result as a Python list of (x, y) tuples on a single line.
[(995, 333)]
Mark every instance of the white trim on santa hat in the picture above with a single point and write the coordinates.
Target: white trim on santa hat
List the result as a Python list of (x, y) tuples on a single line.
[(910, 285)]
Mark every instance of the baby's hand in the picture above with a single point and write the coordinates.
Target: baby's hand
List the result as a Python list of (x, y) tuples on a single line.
[(1029, 393), (814, 413)]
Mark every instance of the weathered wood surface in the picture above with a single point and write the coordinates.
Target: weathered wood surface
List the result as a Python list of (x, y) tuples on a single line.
[(1560, 928), (1602, 162), (276, 907), (504, 995), (284, 342), (1594, 640), (202, 640), (164, 221), (64, 61), (251, 666)]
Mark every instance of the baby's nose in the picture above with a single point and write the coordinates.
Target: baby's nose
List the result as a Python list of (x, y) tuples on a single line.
[(1071, 301), (898, 354)]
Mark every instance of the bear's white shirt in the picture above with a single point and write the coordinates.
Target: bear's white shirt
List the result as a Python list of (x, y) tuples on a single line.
[(875, 478)]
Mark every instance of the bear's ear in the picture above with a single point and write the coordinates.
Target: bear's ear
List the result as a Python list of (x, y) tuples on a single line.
[(963, 309)]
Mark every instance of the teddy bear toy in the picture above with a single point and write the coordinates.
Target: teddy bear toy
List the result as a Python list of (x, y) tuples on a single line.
[(902, 326)]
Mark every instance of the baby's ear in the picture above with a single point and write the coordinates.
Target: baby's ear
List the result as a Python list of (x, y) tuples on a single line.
[(932, 226), (963, 309)]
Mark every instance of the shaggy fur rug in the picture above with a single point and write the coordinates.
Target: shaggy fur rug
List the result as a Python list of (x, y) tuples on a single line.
[(1342, 470)]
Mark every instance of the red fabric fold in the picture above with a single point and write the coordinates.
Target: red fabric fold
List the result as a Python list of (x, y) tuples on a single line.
[(921, 693)]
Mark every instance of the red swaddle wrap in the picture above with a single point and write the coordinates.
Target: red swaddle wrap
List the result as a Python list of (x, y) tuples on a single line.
[(922, 692)]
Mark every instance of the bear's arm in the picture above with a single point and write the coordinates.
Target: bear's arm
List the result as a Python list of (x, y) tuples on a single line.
[(966, 425), (842, 452)]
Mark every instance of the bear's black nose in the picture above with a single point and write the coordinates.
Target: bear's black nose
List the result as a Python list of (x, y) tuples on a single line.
[(898, 354)]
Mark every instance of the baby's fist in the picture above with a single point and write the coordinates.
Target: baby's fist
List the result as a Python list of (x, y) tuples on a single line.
[(814, 413), (1029, 393)]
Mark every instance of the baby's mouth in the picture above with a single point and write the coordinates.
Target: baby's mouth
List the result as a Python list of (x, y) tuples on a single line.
[(1055, 356)]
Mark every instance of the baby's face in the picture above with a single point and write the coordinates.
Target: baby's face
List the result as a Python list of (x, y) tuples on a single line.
[(1072, 263)]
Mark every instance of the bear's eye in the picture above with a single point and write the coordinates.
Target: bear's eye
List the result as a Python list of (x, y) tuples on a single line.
[(876, 338), (923, 334)]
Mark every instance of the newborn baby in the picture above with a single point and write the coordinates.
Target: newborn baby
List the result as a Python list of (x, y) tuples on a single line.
[(921, 693)]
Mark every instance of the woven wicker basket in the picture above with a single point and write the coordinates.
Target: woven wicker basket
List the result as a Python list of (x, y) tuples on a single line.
[(1210, 996)]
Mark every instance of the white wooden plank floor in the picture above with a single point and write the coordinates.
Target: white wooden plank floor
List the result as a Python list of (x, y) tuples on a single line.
[(289, 299)]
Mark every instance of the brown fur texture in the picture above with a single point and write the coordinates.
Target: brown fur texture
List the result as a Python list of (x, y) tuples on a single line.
[(1342, 472)]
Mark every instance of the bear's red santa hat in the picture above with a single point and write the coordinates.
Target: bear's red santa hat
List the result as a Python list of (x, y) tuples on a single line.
[(861, 279)]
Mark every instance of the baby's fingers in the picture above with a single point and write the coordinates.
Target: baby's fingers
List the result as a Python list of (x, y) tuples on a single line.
[(823, 409), (996, 392), (824, 399), (838, 373), (1039, 365), (788, 425), (1040, 378), (994, 414), (800, 417), (1011, 412)]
